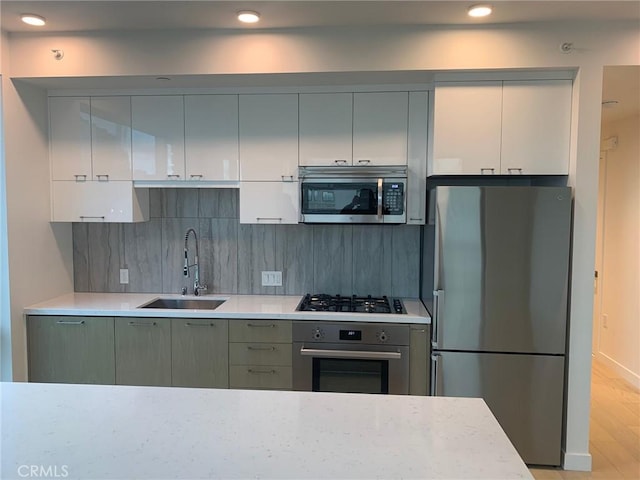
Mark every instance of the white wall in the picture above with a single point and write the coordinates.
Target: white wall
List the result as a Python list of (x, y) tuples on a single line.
[(415, 48), (39, 253), (619, 336)]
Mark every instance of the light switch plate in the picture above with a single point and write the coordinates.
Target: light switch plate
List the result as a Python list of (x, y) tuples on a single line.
[(271, 279), (124, 276)]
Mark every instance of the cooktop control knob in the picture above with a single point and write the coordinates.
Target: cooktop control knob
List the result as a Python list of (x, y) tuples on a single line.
[(317, 334), (382, 336)]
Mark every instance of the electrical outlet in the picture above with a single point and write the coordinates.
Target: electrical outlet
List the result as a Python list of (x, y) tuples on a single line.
[(605, 320), (124, 276), (271, 279)]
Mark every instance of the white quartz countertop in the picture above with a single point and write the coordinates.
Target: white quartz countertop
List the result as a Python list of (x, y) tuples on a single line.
[(120, 432), (235, 306)]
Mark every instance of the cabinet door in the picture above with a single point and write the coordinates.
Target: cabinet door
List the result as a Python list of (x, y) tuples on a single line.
[(158, 137), (199, 353), (380, 128), (467, 128), (70, 138), (419, 360), (269, 202), (268, 137), (111, 138), (211, 137), (326, 128), (109, 201), (71, 349), (260, 354), (536, 127), (143, 351), (417, 158)]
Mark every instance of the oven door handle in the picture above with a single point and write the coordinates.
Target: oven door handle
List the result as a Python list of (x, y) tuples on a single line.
[(366, 355)]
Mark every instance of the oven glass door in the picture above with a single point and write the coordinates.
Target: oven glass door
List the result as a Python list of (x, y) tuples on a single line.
[(350, 375)]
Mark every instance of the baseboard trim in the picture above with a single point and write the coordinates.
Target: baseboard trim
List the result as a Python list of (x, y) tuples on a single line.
[(580, 462), (624, 372)]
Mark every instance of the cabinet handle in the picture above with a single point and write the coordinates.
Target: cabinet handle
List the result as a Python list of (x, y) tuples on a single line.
[(261, 325), (196, 177), (517, 170), (264, 219), (416, 219), (173, 176), (142, 324), (258, 372), (69, 322), (340, 162), (287, 178), (80, 178), (84, 217), (364, 161), (487, 170), (199, 324), (262, 349), (103, 178)]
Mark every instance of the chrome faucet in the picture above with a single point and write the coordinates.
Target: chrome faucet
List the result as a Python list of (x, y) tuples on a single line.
[(197, 287)]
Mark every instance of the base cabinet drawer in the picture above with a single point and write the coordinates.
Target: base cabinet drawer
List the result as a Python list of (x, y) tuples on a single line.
[(71, 349), (269, 377), (260, 354), (275, 331)]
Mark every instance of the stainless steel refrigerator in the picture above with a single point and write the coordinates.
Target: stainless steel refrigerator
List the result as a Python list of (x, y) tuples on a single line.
[(501, 263)]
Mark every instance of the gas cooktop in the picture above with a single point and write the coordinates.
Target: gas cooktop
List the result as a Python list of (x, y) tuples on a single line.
[(358, 304)]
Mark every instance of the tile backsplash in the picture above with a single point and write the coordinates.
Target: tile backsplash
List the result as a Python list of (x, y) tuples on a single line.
[(346, 259)]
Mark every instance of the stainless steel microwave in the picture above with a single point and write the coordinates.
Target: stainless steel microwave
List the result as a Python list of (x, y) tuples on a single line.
[(345, 194)]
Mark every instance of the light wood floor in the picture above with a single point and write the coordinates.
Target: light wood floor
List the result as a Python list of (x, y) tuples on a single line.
[(614, 439)]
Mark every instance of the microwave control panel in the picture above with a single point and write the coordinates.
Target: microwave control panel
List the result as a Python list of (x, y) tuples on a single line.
[(393, 198)]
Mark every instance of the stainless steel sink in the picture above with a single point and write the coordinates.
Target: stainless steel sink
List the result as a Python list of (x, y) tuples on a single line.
[(184, 303)]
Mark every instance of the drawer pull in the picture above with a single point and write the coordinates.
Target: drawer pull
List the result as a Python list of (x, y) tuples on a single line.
[(259, 372), (267, 219), (415, 219), (196, 176), (340, 162), (142, 324), (262, 349), (187, 324), (69, 322), (287, 178), (80, 178), (364, 161), (487, 170), (261, 325), (102, 178), (517, 171), (85, 217), (173, 176)]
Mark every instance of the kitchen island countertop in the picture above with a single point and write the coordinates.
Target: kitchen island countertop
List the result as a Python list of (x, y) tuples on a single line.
[(122, 432), (235, 307)]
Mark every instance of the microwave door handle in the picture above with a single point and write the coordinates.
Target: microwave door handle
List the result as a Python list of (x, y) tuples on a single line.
[(379, 199)]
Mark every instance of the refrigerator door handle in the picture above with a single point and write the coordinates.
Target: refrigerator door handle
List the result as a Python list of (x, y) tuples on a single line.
[(435, 377), (438, 303)]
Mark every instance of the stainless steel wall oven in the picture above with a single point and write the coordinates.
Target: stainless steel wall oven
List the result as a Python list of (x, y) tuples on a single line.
[(351, 357)]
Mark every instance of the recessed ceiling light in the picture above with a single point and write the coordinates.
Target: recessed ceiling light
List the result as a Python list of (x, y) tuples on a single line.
[(32, 19), (247, 16), (479, 10)]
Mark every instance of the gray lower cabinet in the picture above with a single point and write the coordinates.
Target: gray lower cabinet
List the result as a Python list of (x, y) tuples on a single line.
[(419, 358), (199, 353), (143, 351), (71, 349), (260, 354)]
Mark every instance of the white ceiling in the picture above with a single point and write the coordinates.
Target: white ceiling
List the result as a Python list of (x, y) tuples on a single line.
[(620, 83), (82, 15)]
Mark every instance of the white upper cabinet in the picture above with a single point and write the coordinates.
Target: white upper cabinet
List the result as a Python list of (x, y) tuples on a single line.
[(467, 128), (536, 115), (508, 128), (326, 124), (70, 138), (380, 128), (417, 158), (111, 138), (211, 137), (269, 202), (158, 137), (268, 137)]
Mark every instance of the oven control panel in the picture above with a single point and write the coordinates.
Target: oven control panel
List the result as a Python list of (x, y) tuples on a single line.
[(351, 333)]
